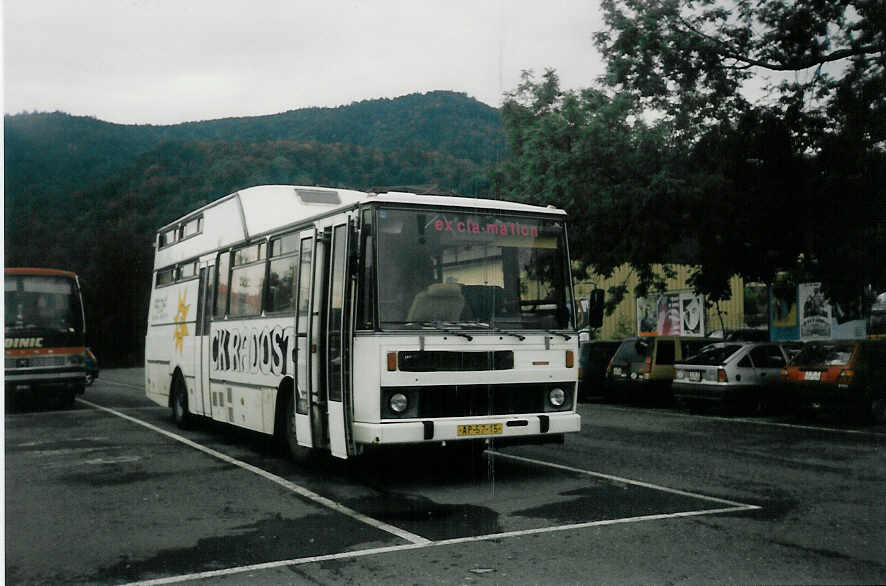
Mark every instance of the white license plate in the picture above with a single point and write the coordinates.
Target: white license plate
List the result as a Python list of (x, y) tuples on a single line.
[(812, 375), (479, 429), (694, 376), (617, 371)]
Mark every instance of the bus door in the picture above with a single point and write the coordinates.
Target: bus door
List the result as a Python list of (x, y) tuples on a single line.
[(304, 400), (204, 304), (337, 344), (316, 341)]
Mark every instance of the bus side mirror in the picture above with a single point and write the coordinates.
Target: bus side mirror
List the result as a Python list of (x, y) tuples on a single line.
[(595, 308)]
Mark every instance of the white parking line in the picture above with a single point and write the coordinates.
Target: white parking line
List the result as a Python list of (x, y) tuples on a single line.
[(740, 506), (300, 490), (414, 546), (415, 541)]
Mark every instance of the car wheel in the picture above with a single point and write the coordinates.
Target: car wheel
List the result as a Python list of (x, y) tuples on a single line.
[(180, 414)]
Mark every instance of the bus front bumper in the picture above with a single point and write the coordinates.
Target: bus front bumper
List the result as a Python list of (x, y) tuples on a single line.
[(45, 381), (530, 428)]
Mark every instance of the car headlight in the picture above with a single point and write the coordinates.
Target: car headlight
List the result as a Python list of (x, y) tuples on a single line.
[(398, 403), (557, 397)]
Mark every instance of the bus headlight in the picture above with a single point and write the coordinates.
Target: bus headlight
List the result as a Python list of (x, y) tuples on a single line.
[(76, 359), (557, 397), (398, 402)]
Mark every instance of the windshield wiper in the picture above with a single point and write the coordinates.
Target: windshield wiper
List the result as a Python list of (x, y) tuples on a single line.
[(520, 337), (565, 336), (479, 325), (438, 326)]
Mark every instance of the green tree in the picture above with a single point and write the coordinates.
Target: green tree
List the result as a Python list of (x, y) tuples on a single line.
[(796, 167), (675, 158), (622, 180)]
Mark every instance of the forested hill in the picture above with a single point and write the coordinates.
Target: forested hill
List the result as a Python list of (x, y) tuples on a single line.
[(87, 195), (54, 152)]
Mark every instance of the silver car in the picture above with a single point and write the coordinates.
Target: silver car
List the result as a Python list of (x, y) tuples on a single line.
[(745, 374)]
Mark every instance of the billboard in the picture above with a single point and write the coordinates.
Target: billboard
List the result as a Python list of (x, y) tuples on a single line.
[(671, 314), (803, 312)]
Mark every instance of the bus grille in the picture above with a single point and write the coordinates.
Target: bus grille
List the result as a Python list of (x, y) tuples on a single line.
[(473, 400)]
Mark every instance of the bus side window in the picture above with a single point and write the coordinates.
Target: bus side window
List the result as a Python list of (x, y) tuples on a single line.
[(283, 274), (247, 281), (220, 307), (165, 276), (366, 302)]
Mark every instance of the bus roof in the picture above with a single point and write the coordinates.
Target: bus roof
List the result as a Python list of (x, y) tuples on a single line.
[(266, 209), (38, 271), (303, 202)]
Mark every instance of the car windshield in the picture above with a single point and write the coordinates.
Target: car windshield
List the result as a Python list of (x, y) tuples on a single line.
[(824, 354), (714, 355), (471, 271)]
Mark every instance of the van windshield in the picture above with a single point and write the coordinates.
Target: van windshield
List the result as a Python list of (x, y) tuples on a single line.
[(471, 271)]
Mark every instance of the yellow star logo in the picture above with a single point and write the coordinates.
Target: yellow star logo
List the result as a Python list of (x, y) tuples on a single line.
[(181, 328)]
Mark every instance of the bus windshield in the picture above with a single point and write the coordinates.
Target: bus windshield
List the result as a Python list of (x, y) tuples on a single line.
[(471, 270), (37, 303)]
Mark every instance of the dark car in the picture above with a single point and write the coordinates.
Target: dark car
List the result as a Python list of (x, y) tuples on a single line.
[(91, 367), (643, 368), (593, 358), (840, 373)]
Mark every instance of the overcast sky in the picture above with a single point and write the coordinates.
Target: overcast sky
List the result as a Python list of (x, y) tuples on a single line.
[(169, 61)]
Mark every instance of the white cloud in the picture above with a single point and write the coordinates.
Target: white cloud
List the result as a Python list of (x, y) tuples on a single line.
[(164, 61)]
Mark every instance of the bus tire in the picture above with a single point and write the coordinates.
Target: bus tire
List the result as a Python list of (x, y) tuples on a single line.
[(178, 401), (877, 412), (68, 397)]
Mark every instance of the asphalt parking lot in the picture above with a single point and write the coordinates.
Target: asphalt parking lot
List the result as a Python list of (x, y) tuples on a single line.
[(110, 492)]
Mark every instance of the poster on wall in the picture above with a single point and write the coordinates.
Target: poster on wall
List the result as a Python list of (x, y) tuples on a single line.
[(692, 314), (647, 316), (668, 315), (815, 311), (671, 314), (784, 321)]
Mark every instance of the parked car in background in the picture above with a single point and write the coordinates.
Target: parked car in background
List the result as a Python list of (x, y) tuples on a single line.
[(840, 374), (735, 374), (593, 358), (91, 367), (643, 368)]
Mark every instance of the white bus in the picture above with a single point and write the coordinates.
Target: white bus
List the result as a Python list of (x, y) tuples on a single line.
[(343, 320)]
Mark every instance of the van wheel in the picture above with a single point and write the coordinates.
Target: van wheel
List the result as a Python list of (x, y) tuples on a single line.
[(180, 414)]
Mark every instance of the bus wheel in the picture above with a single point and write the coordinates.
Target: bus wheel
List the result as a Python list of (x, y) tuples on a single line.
[(299, 454), (68, 397), (878, 408), (180, 414)]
